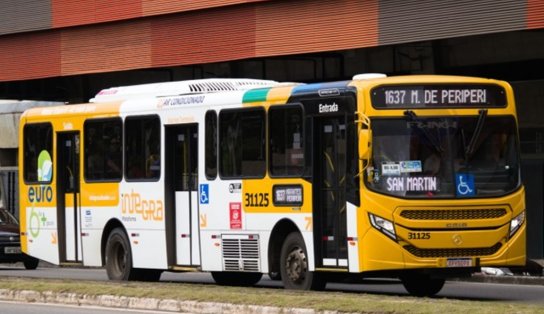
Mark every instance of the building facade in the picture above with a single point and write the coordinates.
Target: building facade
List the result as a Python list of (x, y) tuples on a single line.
[(67, 50)]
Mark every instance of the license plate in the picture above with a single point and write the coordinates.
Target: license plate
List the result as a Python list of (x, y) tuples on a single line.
[(459, 262), (12, 250)]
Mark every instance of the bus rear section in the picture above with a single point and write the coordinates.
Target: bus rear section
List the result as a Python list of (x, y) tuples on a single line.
[(442, 193)]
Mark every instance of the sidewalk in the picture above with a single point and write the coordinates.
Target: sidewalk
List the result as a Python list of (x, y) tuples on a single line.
[(147, 304)]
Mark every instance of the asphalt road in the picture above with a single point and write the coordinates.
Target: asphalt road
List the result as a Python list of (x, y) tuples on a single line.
[(511, 293)]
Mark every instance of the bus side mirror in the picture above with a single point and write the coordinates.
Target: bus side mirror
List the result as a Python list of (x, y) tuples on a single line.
[(365, 144)]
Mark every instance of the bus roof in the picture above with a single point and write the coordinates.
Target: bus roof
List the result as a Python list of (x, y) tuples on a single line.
[(179, 88), (424, 78), (137, 97), (205, 86)]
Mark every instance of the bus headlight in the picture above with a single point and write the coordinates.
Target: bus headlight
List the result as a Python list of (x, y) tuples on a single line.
[(383, 225), (516, 223)]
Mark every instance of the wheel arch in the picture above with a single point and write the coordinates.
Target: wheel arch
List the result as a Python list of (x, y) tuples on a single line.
[(110, 226), (278, 235)]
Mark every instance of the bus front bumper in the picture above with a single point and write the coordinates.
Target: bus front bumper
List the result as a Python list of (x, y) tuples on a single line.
[(443, 249)]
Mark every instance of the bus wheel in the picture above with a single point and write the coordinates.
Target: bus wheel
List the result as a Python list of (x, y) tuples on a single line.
[(236, 278), (119, 256), (294, 266), (422, 285)]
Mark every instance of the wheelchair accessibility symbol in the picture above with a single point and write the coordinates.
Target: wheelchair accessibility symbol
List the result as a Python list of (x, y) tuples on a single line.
[(465, 184), (204, 194)]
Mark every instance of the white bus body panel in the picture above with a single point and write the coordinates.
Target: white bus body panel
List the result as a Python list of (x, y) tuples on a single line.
[(353, 246), (263, 224), (146, 235), (195, 230), (43, 236)]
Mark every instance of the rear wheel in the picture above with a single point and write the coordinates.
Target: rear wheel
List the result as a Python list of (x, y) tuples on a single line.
[(119, 257), (422, 285), (294, 266), (236, 278)]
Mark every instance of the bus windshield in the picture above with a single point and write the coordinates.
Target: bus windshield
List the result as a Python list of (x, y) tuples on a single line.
[(444, 157)]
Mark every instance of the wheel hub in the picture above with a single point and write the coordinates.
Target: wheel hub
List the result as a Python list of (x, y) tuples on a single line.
[(120, 258), (296, 265)]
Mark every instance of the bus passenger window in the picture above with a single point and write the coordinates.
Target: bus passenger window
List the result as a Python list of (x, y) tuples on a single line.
[(38, 153), (103, 154), (142, 148), (211, 145), (286, 153), (242, 143)]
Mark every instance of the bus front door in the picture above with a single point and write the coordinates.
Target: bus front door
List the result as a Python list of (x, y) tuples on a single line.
[(330, 228), (68, 198), (182, 187)]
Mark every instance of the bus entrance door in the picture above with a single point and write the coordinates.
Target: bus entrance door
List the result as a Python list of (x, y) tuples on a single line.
[(182, 184), (330, 228), (68, 211)]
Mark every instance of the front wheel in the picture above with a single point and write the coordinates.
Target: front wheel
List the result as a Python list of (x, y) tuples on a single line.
[(421, 285), (294, 267), (119, 256)]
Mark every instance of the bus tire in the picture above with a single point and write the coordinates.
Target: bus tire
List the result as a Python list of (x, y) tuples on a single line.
[(422, 285), (294, 266), (240, 279), (119, 256)]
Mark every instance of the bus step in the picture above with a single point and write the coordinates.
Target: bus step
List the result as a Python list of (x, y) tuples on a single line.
[(327, 269), (185, 268), (71, 264)]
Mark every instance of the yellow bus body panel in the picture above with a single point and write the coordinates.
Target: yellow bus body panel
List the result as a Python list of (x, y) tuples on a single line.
[(67, 118)]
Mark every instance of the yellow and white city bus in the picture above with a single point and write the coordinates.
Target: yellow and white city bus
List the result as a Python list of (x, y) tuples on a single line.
[(415, 177)]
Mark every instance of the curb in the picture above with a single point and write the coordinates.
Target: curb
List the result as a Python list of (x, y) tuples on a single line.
[(512, 280), (136, 303)]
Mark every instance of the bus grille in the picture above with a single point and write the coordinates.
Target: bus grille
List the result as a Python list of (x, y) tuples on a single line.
[(452, 252), (453, 214), (241, 254), (9, 239)]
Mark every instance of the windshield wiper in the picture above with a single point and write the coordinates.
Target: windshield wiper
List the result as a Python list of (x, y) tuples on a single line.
[(469, 149), (435, 144)]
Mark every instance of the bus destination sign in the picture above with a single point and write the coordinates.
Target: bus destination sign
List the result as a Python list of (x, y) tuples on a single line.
[(438, 96)]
